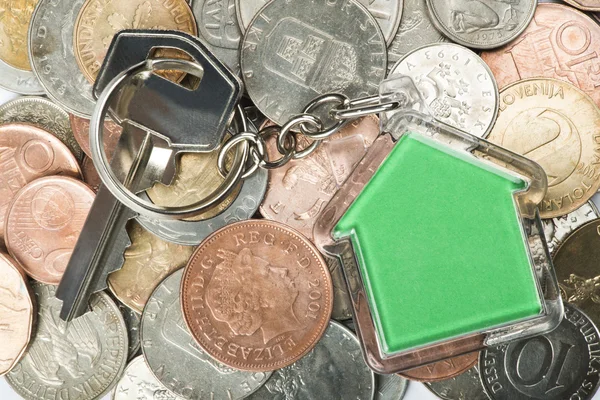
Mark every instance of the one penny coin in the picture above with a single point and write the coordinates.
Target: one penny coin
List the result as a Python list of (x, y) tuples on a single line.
[(556, 125), (28, 153), (43, 224), (16, 313), (257, 295), (299, 190), (442, 370), (81, 131), (560, 42), (98, 21)]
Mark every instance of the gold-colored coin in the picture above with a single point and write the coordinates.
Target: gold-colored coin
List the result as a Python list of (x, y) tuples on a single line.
[(148, 261), (100, 20), (558, 126), (197, 177), (14, 24)]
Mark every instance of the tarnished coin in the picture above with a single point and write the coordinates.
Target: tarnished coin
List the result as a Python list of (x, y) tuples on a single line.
[(317, 177), (218, 26), (82, 359), (387, 13), (16, 313), (132, 321), (481, 24), (415, 31), (176, 360), (455, 83), (556, 125), (558, 229), (559, 365), (98, 21), (264, 292), (389, 387), (52, 57), (28, 153), (44, 114), (442, 370), (587, 5), (90, 174), (333, 370), (466, 386), (293, 53), (15, 69), (147, 262), (43, 223), (560, 43), (138, 383), (578, 270), (81, 131)]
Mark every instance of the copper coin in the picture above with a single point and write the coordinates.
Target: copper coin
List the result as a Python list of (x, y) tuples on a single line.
[(561, 42), (442, 370), (257, 295), (28, 153), (43, 224), (90, 174), (299, 190), (16, 313), (587, 5), (81, 131)]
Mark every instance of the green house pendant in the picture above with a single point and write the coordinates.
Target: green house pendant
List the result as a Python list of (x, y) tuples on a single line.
[(440, 240)]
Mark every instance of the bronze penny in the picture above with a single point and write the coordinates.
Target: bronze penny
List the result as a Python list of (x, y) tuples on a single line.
[(560, 42), (148, 261), (586, 5), (578, 270), (299, 190), (14, 24), (81, 131), (43, 224), (99, 20), (90, 174), (257, 295), (16, 313), (28, 153), (442, 370), (556, 125)]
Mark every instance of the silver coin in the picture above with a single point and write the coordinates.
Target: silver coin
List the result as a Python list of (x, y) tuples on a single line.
[(218, 26), (559, 365), (18, 80), (556, 230), (44, 114), (175, 358), (81, 359), (481, 24), (52, 58), (132, 321), (387, 13), (191, 233), (333, 370), (138, 383), (416, 30), (456, 84), (342, 305), (390, 387), (466, 386), (293, 53)]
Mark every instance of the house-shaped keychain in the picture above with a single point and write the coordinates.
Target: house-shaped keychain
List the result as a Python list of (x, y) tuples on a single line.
[(440, 239)]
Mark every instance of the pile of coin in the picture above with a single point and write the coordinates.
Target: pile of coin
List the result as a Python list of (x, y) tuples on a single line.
[(238, 302)]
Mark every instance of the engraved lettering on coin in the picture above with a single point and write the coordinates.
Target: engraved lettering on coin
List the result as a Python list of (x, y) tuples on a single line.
[(148, 261), (138, 383), (14, 21), (560, 43), (456, 84), (558, 229), (43, 224), (262, 291), (333, 370), (293, 53), (559, 365), (191, 373), (556, 125), (481, 24), (16, 313), (81, 359), (466, 386)]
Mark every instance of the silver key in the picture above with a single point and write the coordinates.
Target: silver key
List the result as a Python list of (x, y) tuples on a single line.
[(154, 132)]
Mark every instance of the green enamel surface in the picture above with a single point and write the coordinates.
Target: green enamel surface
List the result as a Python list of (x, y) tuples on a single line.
[(439, 245)]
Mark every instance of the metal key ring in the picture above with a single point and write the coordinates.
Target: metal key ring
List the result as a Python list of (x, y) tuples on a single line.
[(114, 185)]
